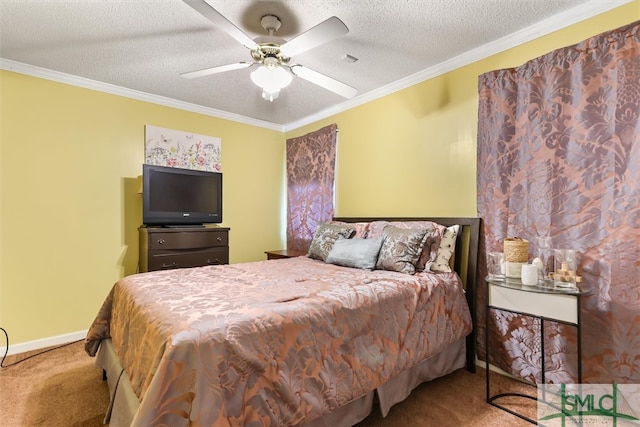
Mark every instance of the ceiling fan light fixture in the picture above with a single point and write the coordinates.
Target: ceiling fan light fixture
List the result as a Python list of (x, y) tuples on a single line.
[(273, 54), (271, 80), (270, 96)]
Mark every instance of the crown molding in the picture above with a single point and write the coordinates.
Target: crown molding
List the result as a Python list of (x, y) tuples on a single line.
[(47, 74), (555, 23)]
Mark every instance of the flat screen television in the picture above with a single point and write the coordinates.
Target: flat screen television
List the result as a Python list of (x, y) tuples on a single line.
[(180, 197)]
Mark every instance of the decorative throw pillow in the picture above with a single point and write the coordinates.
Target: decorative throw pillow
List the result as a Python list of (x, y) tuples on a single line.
[(401, 249), (324, 238), (376, 229), (362, 228), (445, 251), (431, 246), (357, 253)]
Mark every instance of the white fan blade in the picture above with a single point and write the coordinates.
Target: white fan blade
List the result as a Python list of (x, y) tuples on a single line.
[(324, 81), (221, 22), (322, 33), (215, 70)]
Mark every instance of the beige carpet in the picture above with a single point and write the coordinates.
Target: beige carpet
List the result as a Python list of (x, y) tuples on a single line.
[(64, 388), (58, 388)]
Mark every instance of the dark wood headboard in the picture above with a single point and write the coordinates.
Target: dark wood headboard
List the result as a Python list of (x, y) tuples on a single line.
[(465, 263)]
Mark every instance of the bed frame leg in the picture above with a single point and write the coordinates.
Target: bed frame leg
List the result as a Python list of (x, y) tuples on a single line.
[(471, 353)]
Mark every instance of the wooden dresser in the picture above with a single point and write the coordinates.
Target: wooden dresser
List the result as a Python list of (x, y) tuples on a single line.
[(166, 248)]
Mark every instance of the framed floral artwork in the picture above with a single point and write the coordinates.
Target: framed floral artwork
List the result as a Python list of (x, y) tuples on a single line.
[(179, 149)]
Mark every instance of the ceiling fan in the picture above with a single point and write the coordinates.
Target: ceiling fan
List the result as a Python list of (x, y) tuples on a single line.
[(273, 54)]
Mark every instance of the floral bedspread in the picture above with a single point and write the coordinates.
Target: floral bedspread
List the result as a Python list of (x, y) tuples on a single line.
[(277, 343)]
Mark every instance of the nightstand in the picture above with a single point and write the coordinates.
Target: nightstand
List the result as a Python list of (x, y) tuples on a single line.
[(286, 253), (543, 302)]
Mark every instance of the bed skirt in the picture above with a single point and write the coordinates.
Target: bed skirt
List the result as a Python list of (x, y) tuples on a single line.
[(124, 402)]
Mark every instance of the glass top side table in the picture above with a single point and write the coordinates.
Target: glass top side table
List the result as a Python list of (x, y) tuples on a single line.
[(545, 302)]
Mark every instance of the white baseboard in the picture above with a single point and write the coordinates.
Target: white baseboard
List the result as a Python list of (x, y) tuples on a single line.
[(482, 364), (42, 343)]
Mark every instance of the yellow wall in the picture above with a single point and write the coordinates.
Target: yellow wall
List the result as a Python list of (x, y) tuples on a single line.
[(69, 215), (414, 152), (69, 211)]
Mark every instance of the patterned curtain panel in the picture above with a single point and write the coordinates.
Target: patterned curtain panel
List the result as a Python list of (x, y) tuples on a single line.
[(559, 156), (311, 164)]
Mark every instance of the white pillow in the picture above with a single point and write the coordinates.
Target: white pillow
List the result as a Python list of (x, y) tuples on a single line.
[(446, 249)]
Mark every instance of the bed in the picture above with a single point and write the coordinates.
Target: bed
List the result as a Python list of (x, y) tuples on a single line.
[(291, 342)]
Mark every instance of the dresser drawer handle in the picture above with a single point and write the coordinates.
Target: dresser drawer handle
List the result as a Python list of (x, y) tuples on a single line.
[(219, 239), (160, 241), (214, 262), (173, 264)]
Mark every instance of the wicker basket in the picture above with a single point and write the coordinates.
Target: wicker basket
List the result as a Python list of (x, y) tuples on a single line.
[(516, 249)]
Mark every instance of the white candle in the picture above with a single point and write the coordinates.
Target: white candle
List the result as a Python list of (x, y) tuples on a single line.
[(529, 274)]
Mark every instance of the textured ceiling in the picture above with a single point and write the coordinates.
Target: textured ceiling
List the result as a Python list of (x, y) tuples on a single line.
[(144, 45)]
